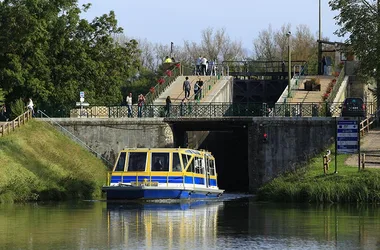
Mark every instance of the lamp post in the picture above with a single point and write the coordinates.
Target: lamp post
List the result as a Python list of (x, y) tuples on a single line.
[(289, 63), (320, 69)]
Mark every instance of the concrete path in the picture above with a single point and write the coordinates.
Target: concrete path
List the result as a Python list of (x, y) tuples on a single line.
[(176, 93), (300, 95), (175, 90), (370, 144)]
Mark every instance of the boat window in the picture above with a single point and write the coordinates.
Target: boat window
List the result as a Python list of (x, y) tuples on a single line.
[(136, 161), (185, 160), (191, 168), (121, 162), (176, 163), (160, 162), (198, 166), (211, 167)]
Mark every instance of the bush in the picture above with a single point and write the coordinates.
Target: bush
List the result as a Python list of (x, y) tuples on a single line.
[(17, 108)]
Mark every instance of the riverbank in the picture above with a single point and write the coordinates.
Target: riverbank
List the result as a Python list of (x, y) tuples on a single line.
[(310, 184), (39, 163)]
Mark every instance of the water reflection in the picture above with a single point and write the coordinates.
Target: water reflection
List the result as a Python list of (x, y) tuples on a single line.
[(243, 224), (164, 225)]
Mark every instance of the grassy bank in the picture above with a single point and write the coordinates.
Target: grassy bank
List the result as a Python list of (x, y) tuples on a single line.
[(309, 184), (39, 163)]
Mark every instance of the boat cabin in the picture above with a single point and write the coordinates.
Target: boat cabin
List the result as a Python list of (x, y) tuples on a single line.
[(164, 167)]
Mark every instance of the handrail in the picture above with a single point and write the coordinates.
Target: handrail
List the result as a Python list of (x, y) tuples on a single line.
[(296, 77), (261, 66), (15, 123), (159, 88), (337, 85), (75, 138), (229, 109), (366, 123)]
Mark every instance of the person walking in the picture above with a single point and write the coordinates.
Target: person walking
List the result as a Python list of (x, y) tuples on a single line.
[(187, 87), (140, 104), (198, 65), (129, 104), (30, 106), (200, 85), (4, 113), (196, 90), (168, 106), (203, 66), (324, 66)]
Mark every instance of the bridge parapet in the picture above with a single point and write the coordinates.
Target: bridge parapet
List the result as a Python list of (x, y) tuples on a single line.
[(222, 109)]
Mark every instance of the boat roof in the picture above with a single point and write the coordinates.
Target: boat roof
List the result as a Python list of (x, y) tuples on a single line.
[(182, 150)]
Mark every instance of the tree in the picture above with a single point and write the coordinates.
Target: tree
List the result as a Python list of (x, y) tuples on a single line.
[(360, 20), (215, 45), (49, 53), (265, 46), (273, 45)]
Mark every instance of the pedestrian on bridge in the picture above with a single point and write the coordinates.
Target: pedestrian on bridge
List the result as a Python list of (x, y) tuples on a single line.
[(198, 66), (140, 104), (203, 66), (129, 104), (196, 89), (168, 106), (187, 87), (200, 86)]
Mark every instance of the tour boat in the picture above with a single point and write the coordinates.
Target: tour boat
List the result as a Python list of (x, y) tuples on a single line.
[(163, 173)]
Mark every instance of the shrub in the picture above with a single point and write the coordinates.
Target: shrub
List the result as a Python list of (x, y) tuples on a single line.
[(17, 108)]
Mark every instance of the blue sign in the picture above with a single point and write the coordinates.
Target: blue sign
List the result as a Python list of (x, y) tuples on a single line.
[(81, 94), (347, 137)]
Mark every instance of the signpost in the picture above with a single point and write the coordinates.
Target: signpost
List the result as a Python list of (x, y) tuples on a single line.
[(81, 102), (347, 138)]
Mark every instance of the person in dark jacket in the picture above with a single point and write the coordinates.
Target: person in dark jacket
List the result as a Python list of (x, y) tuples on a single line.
[(168, 106)]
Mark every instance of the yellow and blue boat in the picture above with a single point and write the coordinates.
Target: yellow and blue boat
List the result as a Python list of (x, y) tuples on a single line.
[(163, 173)]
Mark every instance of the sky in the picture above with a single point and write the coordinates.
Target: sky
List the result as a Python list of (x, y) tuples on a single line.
[(165, 21)]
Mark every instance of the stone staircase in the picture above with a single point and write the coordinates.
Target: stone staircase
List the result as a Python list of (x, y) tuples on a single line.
[(300, 95)]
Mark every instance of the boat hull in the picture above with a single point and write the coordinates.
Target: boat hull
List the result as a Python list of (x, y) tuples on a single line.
[(134, 193)]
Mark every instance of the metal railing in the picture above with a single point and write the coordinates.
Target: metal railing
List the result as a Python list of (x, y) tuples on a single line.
[(199, 109), (337, 85), (296, 78), (250, 67), (75, 138), (160, 87)]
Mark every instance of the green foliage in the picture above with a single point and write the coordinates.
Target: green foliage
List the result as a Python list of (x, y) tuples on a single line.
[(1, 97), (309, 184), (18, 108), (52, 167), (48, 53), (359, 20)]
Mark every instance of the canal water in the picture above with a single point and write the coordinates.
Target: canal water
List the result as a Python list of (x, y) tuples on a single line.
[(229, 224)]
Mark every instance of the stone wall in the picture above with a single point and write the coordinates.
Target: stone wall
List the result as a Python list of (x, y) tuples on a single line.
[(290, 144), (108, 136)]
